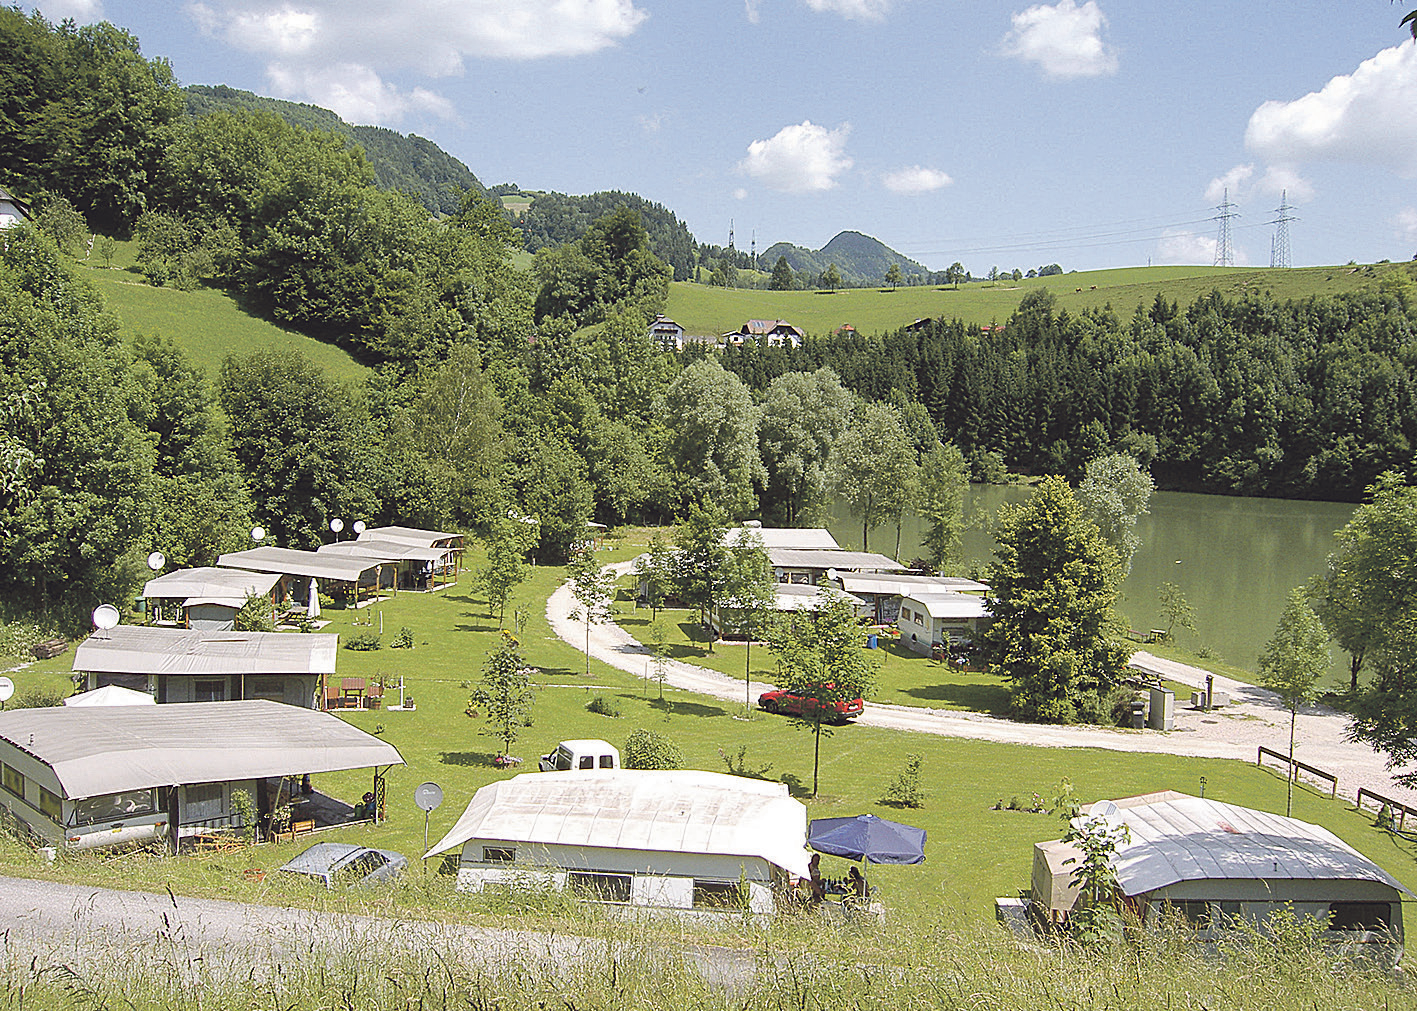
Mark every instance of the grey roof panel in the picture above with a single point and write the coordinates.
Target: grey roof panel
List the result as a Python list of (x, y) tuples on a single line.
[(210, 582), (98, 750), (289, 562), (139, 649)]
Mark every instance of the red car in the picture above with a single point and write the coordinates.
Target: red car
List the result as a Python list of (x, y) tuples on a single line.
[(805, 706)]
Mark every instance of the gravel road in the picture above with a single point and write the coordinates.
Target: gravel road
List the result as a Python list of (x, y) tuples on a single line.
[(1254, 718)]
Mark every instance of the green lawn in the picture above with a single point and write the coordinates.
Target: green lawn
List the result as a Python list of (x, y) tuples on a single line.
[(974, 853), (701, 309)]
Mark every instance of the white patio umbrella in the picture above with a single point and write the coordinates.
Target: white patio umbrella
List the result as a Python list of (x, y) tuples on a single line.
[(313, 608)]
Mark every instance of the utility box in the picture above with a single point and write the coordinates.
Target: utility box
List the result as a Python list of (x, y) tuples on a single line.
[(1138, 715), (1163, 709)]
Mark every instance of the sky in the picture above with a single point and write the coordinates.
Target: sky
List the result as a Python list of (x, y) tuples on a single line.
[(1103, 133)]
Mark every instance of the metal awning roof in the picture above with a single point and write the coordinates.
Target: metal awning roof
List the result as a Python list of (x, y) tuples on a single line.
[(411, 535), (386, 551), (1180, 838), (951, 605), (802, 539), (138, 649), (210, 582), (627, 809), (97, 750), (890, 585), (793, 558), (289, 562)]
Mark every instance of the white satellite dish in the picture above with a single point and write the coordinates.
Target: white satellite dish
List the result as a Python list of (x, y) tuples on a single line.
[(336, 525), (7, 689), (360, 526), (832, 574), (156, 560), (258, 533), (428, 796), (105, 616), (1103, 809)]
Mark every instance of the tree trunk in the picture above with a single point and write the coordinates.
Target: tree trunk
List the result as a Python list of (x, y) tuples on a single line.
[(816, 750), (1293, 718)]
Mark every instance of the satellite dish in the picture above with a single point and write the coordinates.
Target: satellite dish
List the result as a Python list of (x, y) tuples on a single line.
[(156, 560), (258, 533), (336, 525), (105, 616), (360, 527), (428, 796), (832, 574), (7, 689)]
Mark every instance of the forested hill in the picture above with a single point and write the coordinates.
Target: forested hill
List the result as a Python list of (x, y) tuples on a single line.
[(403, 162), (555, 219), (859, 259)]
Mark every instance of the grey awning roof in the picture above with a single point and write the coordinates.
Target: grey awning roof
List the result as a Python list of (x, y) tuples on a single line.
[(800, 538), (210, 582), (891, 585), (99, 750), (412, 535), (138, 649), (289, 562), (387, 551), (951, 605), (793, 558)]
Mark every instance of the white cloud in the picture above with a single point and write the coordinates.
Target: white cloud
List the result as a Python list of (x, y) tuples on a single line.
[(1406, 224), (860, 10), (349, 47), (1185, 247), (1284, 179), (915, 180), (1231, 181), (1365, 117), (84, 12), (1065, 40), (804, 158), (356, 93), (650, 124), (750, 8), (740, 194)]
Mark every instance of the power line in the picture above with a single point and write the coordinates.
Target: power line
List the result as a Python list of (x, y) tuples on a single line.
[(1279, 248)]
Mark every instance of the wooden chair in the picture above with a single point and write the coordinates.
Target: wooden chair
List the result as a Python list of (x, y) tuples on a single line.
[(374, 696), (333, 698)]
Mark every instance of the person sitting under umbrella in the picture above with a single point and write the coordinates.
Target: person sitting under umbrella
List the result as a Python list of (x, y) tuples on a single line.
[(856, 888)]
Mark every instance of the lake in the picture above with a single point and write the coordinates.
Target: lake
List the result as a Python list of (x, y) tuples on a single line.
[(1235, 559)]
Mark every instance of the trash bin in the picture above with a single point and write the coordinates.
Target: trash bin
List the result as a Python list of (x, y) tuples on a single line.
[(1138, 715), (871, 641)]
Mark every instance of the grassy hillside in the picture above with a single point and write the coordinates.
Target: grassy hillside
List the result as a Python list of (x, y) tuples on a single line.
[(208, 325), (702, 309)]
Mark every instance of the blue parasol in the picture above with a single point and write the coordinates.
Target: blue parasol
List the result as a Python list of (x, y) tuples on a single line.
[(866, 837)]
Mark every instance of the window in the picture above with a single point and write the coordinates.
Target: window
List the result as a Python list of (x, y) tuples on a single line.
[(710, 894), (563, 760), (272, 688), (114, 807), (13, 781), (202, 802), (1195, 913), (1373, 916), (499, 854), (50, 806), (600, 887), (360, 868), (607, 761), (587, 762), (209, 691)]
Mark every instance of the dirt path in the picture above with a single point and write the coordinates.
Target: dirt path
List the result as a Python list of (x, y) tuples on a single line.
[(1254, 717)]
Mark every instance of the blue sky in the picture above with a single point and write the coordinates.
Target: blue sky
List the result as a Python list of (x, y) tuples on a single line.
[(1091, 134)]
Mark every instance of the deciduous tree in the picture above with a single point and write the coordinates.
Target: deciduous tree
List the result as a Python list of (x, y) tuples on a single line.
[(1114, 494), (713, 437), (803, 415), (872, 466), (504, 694), (1292, 664), (940, 488)]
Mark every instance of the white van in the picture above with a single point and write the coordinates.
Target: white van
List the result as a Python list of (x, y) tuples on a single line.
[(581, 755)]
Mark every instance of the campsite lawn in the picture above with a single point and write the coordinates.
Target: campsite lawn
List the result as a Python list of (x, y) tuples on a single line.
[(975, 852)]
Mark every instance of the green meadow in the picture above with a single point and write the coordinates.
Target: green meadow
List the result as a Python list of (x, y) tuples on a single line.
[(978, 848), (702, 309)]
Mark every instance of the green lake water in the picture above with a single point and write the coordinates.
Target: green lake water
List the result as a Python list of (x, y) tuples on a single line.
[(1235, 559)]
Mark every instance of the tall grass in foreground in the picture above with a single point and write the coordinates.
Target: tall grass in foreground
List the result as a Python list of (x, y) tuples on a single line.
[(332, 962)]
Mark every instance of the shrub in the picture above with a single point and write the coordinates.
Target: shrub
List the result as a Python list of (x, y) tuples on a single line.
[(363, 641), (604, 706), (36, 698), (404, 640), (737, 763), (255, 615), (645, 749), (906, 790)]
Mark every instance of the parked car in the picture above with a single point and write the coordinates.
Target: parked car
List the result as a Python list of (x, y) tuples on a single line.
[(345, 864), (805, 706), (581, 755)]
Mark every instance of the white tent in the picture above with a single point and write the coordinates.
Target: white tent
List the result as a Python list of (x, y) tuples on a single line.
[(111, 695)]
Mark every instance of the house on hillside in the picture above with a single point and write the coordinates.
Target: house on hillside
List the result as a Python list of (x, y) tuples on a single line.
[(84, 777), (191, 665), (768, 333), (1216, 864), (667, 333), (13, 210), (686, 841)]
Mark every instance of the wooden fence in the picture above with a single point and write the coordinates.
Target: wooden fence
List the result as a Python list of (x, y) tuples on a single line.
[(1298, 766), (1394, 806)]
